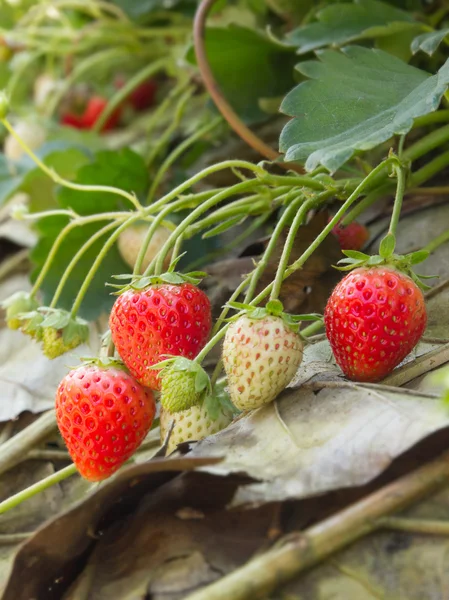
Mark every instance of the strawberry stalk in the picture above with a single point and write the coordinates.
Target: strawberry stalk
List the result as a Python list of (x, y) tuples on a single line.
[(288, 246), (36, 488), (235, 189), (64, 182)]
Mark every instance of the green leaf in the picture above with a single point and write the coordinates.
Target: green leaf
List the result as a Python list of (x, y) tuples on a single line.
[(202, 380), (139, 8), (342, 23), (122, 169), (429, 42), (387, 245), (355, 100), (248, 66), (355, 254)]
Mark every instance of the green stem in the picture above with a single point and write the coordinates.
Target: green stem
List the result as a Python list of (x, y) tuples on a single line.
[(171, 158), (36, 488), (235, 189), (177, 247), (427, 143), (430, 169), (246, 209), (401, 177), (178, 204), (368, 201), (325, 232), (254, 278), (58, 241), (288, 246), (170, 129), (299, 181), (97, 262), (312, 329), (100, 233), (128, 88), (210, 344), (239, 289), (64, 182), (440, 116), (437, 242)]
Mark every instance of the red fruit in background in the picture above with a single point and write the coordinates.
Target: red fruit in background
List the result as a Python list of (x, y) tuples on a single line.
[(72, 120), (94, 108), (144, 96), (164, 320), (103, 415), (352, 236), (374, 318)]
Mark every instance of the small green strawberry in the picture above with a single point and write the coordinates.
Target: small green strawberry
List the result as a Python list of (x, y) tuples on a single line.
[(193, 424), (183, 383), (261, 354)]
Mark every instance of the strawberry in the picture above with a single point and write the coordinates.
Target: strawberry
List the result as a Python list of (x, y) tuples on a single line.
[(144, 96), (71, 119), (164, 319), (103, 415), (95, 106), (374, 317), (260, 357), (130, 241), (352, 236), (193, 424), (183, 384)]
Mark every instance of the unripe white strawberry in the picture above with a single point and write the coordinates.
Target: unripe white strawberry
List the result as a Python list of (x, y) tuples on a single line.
[(193, 424), (260, 357), (44, 87), (131, 240), (31, 133)]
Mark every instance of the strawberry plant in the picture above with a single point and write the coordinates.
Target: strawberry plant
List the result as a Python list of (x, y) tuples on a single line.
[(140, 137)]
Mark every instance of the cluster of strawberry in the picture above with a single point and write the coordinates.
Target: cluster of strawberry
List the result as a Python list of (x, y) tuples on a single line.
[(141, 98), (373, 319)]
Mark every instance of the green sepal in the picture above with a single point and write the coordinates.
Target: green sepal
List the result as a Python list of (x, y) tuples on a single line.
[(103, 362), (183, 384), (17, 304), (273, 308), (401, 262), (219, 401), (141, 282), (387, 245)]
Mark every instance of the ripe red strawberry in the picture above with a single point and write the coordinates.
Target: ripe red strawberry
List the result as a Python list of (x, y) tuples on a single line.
[(374, 318), (162, 320), (103, 415), (94, 108), (71, 119), (352, 236), (143, 96), (260, 357)]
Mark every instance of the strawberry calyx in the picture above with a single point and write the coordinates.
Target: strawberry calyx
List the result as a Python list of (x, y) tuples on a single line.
[(182, 364), (103, 362), (55, 328), (142, 282), (17, 304), (218, 401), (387, 257), (273, 308)]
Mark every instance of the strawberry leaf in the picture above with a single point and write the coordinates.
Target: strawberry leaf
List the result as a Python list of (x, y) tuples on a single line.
[(365, 97)]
